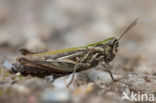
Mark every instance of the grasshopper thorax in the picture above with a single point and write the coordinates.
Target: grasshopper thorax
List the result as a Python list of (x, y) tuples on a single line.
[(108, 49)]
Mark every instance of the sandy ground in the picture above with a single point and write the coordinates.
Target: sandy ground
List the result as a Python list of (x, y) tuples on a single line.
[(50, 25)]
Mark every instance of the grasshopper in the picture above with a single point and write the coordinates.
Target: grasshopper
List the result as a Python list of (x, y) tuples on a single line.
[(66, 61)]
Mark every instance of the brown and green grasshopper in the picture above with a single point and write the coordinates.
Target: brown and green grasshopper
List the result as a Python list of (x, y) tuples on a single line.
[(66, 61)]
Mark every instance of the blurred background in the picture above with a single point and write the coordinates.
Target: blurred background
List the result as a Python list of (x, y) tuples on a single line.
[(44, 25)]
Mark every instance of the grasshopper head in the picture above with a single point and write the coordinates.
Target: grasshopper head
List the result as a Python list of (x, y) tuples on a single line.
[(110, 49)]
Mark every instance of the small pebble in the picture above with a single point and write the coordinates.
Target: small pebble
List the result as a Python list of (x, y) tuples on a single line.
[(95, 75), (7, 64), (21, 88), (56, 95), (63, 81), (32, 99)]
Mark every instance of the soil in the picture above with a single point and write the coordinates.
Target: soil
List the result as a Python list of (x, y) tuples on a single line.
[(50, 25)]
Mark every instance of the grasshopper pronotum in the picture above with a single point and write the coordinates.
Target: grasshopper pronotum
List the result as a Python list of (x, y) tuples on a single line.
[(67, 61)]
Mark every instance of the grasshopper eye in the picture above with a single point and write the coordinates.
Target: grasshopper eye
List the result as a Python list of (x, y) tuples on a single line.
[(115, 47), (108, 50), (115, 43)]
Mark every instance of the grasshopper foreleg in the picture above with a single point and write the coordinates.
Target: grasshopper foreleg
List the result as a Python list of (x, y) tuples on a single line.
[(107, 67)]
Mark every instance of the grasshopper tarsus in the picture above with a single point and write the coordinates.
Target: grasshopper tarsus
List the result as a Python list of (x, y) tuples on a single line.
[(70, 82)]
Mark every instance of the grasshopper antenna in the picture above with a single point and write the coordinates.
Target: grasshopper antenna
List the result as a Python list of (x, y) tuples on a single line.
[(128, 28)]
